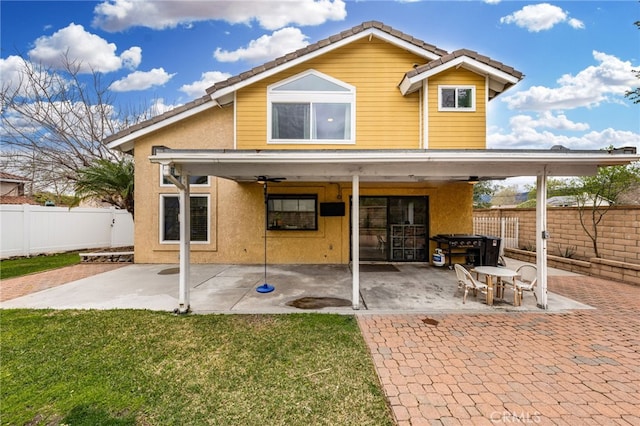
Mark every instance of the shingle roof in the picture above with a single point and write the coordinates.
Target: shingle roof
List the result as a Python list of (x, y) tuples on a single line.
[(470, 54), (9, 176), (324, 43), (17, 199), (158, 118)]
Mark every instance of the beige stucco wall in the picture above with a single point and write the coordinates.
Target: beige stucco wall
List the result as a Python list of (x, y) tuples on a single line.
[(211, 129)]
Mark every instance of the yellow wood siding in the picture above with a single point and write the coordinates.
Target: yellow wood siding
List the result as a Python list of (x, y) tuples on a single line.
[(457, 130), (384, 118)]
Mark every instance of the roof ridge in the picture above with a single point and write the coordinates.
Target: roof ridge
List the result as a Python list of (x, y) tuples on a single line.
[(364, 26)]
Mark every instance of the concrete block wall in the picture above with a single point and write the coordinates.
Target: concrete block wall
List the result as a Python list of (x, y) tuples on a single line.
[(618, 240), (618, 233)]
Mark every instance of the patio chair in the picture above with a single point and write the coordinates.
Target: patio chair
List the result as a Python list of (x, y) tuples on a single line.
[(467, 282), (526, 280)]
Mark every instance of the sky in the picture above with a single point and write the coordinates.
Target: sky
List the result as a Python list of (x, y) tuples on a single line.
[(578, 57)]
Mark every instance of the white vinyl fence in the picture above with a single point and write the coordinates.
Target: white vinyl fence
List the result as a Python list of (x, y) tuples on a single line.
[(504, 227), (29, 230)]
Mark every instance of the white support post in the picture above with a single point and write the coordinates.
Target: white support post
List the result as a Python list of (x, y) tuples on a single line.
[(541, 239), (355, 242), (185, 245)]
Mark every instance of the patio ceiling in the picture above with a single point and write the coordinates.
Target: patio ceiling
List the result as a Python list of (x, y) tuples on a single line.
[(388, 165)]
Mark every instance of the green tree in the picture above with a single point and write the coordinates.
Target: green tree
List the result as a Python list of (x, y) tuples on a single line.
[(482, 193), (505, 195), (604, 190), (110, 181)]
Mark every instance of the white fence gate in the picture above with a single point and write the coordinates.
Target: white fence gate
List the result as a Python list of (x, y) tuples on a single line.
[(30, 230), (504, 227)]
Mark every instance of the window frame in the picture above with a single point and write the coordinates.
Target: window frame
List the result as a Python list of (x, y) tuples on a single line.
[(271, 226), (161, 217), (311, 97), (457, 87)]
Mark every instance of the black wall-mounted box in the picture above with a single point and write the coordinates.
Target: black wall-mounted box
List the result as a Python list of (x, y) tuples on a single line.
[(331, 209)]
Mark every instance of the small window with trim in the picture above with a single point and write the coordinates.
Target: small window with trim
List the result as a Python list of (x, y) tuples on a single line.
[(292, 212), (170, 218), (456, 98)]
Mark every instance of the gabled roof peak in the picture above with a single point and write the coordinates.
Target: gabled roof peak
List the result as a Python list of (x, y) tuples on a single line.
[(324, 43)]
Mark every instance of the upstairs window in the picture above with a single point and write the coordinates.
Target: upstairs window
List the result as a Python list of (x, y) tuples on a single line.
[(311, 108), (456, 98)]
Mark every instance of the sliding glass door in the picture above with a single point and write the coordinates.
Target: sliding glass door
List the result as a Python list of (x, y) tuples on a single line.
[(393, 228), (373, 228)]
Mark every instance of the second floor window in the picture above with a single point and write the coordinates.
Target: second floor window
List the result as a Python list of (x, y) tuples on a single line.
[(456, 98), (311, 108)]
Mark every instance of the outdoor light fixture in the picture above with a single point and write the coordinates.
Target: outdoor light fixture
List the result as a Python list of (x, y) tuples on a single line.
[(472, 180)]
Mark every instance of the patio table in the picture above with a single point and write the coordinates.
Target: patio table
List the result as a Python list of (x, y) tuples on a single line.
[(490, 272)]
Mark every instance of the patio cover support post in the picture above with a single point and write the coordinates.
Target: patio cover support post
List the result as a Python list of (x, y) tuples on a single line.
[(185, 245), (541, 239), (355, 241)]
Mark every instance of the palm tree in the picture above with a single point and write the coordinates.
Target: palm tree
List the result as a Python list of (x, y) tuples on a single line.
[(110, 181)]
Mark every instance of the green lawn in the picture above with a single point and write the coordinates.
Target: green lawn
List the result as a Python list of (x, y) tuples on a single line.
[(126, 367), (28, 265)]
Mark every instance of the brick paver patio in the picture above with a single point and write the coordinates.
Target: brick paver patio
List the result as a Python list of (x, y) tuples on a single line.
[(20, 286), (575, 368)]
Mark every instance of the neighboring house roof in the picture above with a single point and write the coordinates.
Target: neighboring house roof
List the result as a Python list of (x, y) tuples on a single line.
[(19, 199), (8, 177), (571, 201), (501, 77)]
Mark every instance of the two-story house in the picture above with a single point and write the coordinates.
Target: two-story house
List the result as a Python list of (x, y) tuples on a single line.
[(358, 147)]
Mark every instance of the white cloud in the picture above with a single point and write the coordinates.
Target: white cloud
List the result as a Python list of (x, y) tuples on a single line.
[(492, 1), (540, 17), (88, 51), (576, 24), (524, 133), (12, 70), (159, 107), (118, 15), (141, 80), (131, 58), (605, 82), (549, 121), (207, 79), (266, 47)]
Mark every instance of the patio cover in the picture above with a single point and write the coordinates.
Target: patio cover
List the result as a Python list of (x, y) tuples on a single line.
[(382, 166)]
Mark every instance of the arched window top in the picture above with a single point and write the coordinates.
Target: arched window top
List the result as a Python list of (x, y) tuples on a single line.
[(311, 81)]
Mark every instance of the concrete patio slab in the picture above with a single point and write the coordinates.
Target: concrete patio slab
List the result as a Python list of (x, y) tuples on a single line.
[(404, 288)]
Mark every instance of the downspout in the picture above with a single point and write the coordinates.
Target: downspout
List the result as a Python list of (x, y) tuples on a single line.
[(355, 242), (184, 199), (542, 235)]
